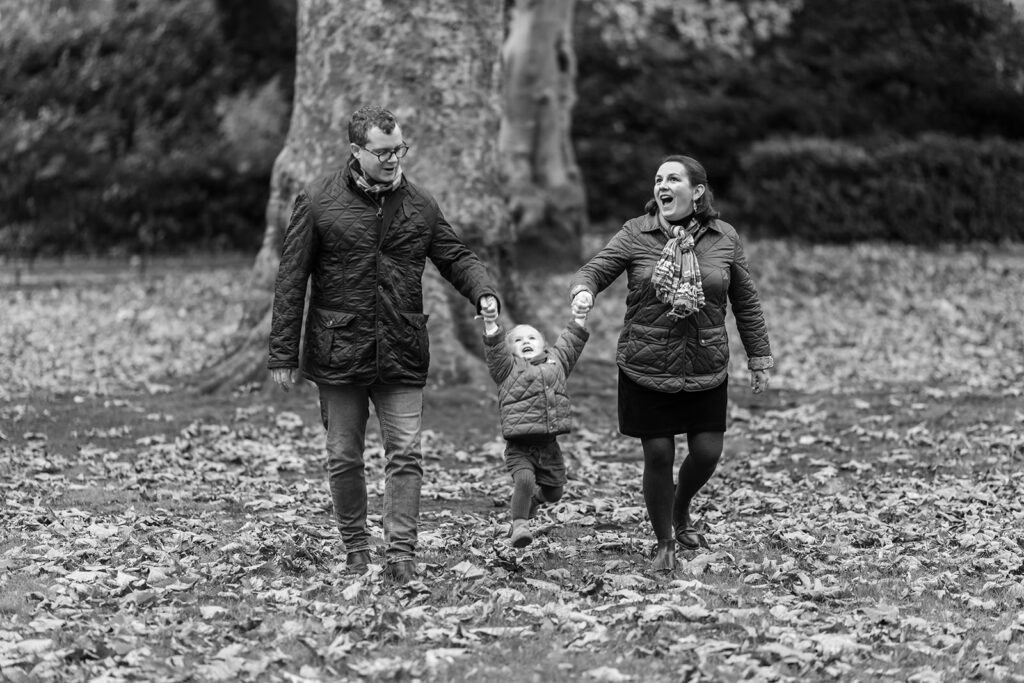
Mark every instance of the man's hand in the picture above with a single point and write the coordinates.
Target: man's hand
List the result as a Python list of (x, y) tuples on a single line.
[(283, 377), (759, 381), (489, 314), (582, 303), (489, 307)]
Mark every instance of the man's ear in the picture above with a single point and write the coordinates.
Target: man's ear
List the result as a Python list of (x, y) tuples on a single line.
[(354, 148)]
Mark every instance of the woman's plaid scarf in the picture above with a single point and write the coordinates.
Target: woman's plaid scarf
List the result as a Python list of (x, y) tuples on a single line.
[(676, 278)]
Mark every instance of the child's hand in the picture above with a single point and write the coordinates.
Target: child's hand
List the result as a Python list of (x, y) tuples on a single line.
[(488, 307), (489, 314), (581, 304)]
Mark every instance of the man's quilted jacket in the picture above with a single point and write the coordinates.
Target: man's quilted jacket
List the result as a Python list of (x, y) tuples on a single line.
[(364, 259), (532, 395), (692, 353)]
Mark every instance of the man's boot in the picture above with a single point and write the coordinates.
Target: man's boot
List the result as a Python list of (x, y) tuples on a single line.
[(357, 561), (401, 572)]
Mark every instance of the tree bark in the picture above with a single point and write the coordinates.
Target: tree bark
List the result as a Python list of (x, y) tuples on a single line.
[(546, 196), (510, 185), (435, 65)]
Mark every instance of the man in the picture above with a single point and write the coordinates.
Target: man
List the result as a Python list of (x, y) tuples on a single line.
[(362, 236)]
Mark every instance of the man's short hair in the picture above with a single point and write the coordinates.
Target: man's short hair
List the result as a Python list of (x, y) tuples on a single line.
[(366, 118)]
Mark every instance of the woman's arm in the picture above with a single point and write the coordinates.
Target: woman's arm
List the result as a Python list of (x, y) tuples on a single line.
[(606, 265), (746, 306)]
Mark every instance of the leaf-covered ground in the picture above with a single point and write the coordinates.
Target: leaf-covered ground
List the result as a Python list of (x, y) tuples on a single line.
[(866, 522)]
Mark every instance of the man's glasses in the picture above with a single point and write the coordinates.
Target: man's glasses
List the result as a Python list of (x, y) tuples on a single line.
[(385, 155)]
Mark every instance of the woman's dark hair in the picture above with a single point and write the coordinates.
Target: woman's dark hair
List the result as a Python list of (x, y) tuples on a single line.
[(695, 173)]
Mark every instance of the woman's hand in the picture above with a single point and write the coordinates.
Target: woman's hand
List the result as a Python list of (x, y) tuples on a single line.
[(759, 380)]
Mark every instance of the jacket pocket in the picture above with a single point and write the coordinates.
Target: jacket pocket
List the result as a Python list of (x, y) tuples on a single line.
[(332, 331), (416, 342), (710, 336), (645, 349), (647, 334), (713, 350)]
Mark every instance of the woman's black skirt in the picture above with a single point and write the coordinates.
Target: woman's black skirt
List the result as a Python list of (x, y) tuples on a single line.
[(646, 413)]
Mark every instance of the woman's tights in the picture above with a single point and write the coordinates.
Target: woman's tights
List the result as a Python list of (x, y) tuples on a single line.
[(666, 503)]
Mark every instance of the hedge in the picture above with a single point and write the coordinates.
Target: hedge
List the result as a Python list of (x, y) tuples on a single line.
[(932, 188), (114, 136)]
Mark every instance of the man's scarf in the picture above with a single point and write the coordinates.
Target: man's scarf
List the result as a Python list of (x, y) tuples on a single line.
[(676, 278), (375, 189)]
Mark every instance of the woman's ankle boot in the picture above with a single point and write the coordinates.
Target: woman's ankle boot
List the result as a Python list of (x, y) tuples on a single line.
[(665, 559)]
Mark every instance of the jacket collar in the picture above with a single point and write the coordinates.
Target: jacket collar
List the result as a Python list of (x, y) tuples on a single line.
[(352, 169), (650, 223), (540, 358)]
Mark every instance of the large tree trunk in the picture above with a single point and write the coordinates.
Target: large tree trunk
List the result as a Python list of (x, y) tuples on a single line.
[(539, 90), (435, 64)]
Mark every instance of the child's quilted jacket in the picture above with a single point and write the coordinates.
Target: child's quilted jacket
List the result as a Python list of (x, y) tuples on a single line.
[(532, 395)]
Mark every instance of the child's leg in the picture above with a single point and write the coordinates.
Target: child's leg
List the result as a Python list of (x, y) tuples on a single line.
[(548, 494), (524, 482), (550, 475), (544, 494)]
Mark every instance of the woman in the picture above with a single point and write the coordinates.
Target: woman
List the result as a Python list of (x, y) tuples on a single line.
[(683, 266)]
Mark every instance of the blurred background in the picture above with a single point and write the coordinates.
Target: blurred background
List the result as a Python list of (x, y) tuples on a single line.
[(131, 127)]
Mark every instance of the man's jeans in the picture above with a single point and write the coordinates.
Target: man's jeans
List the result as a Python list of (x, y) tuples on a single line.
[(400, 411)]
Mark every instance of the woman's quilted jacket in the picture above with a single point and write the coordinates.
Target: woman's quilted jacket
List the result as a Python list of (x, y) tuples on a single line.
[(670, 354), (364, 259)]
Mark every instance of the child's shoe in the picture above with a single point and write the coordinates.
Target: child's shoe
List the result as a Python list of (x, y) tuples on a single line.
[(521, 536)]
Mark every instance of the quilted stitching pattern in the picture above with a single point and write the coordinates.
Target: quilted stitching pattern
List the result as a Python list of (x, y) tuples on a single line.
[(366, 321), (532, 396), (692, 354)]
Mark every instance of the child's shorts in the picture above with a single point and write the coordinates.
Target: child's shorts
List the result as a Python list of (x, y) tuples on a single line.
[(543, 457)]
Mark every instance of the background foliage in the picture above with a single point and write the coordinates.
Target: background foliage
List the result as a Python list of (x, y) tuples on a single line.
[(136, 127), (867, 74), (935, 187)]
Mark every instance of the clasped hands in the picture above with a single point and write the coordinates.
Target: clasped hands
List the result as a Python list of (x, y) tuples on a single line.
[(581, 305)]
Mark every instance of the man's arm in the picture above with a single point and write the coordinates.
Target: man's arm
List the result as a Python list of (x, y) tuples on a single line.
[(459, 265), (290, 290)]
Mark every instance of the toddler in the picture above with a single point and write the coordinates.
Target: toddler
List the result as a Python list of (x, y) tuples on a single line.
[(533, 404)]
